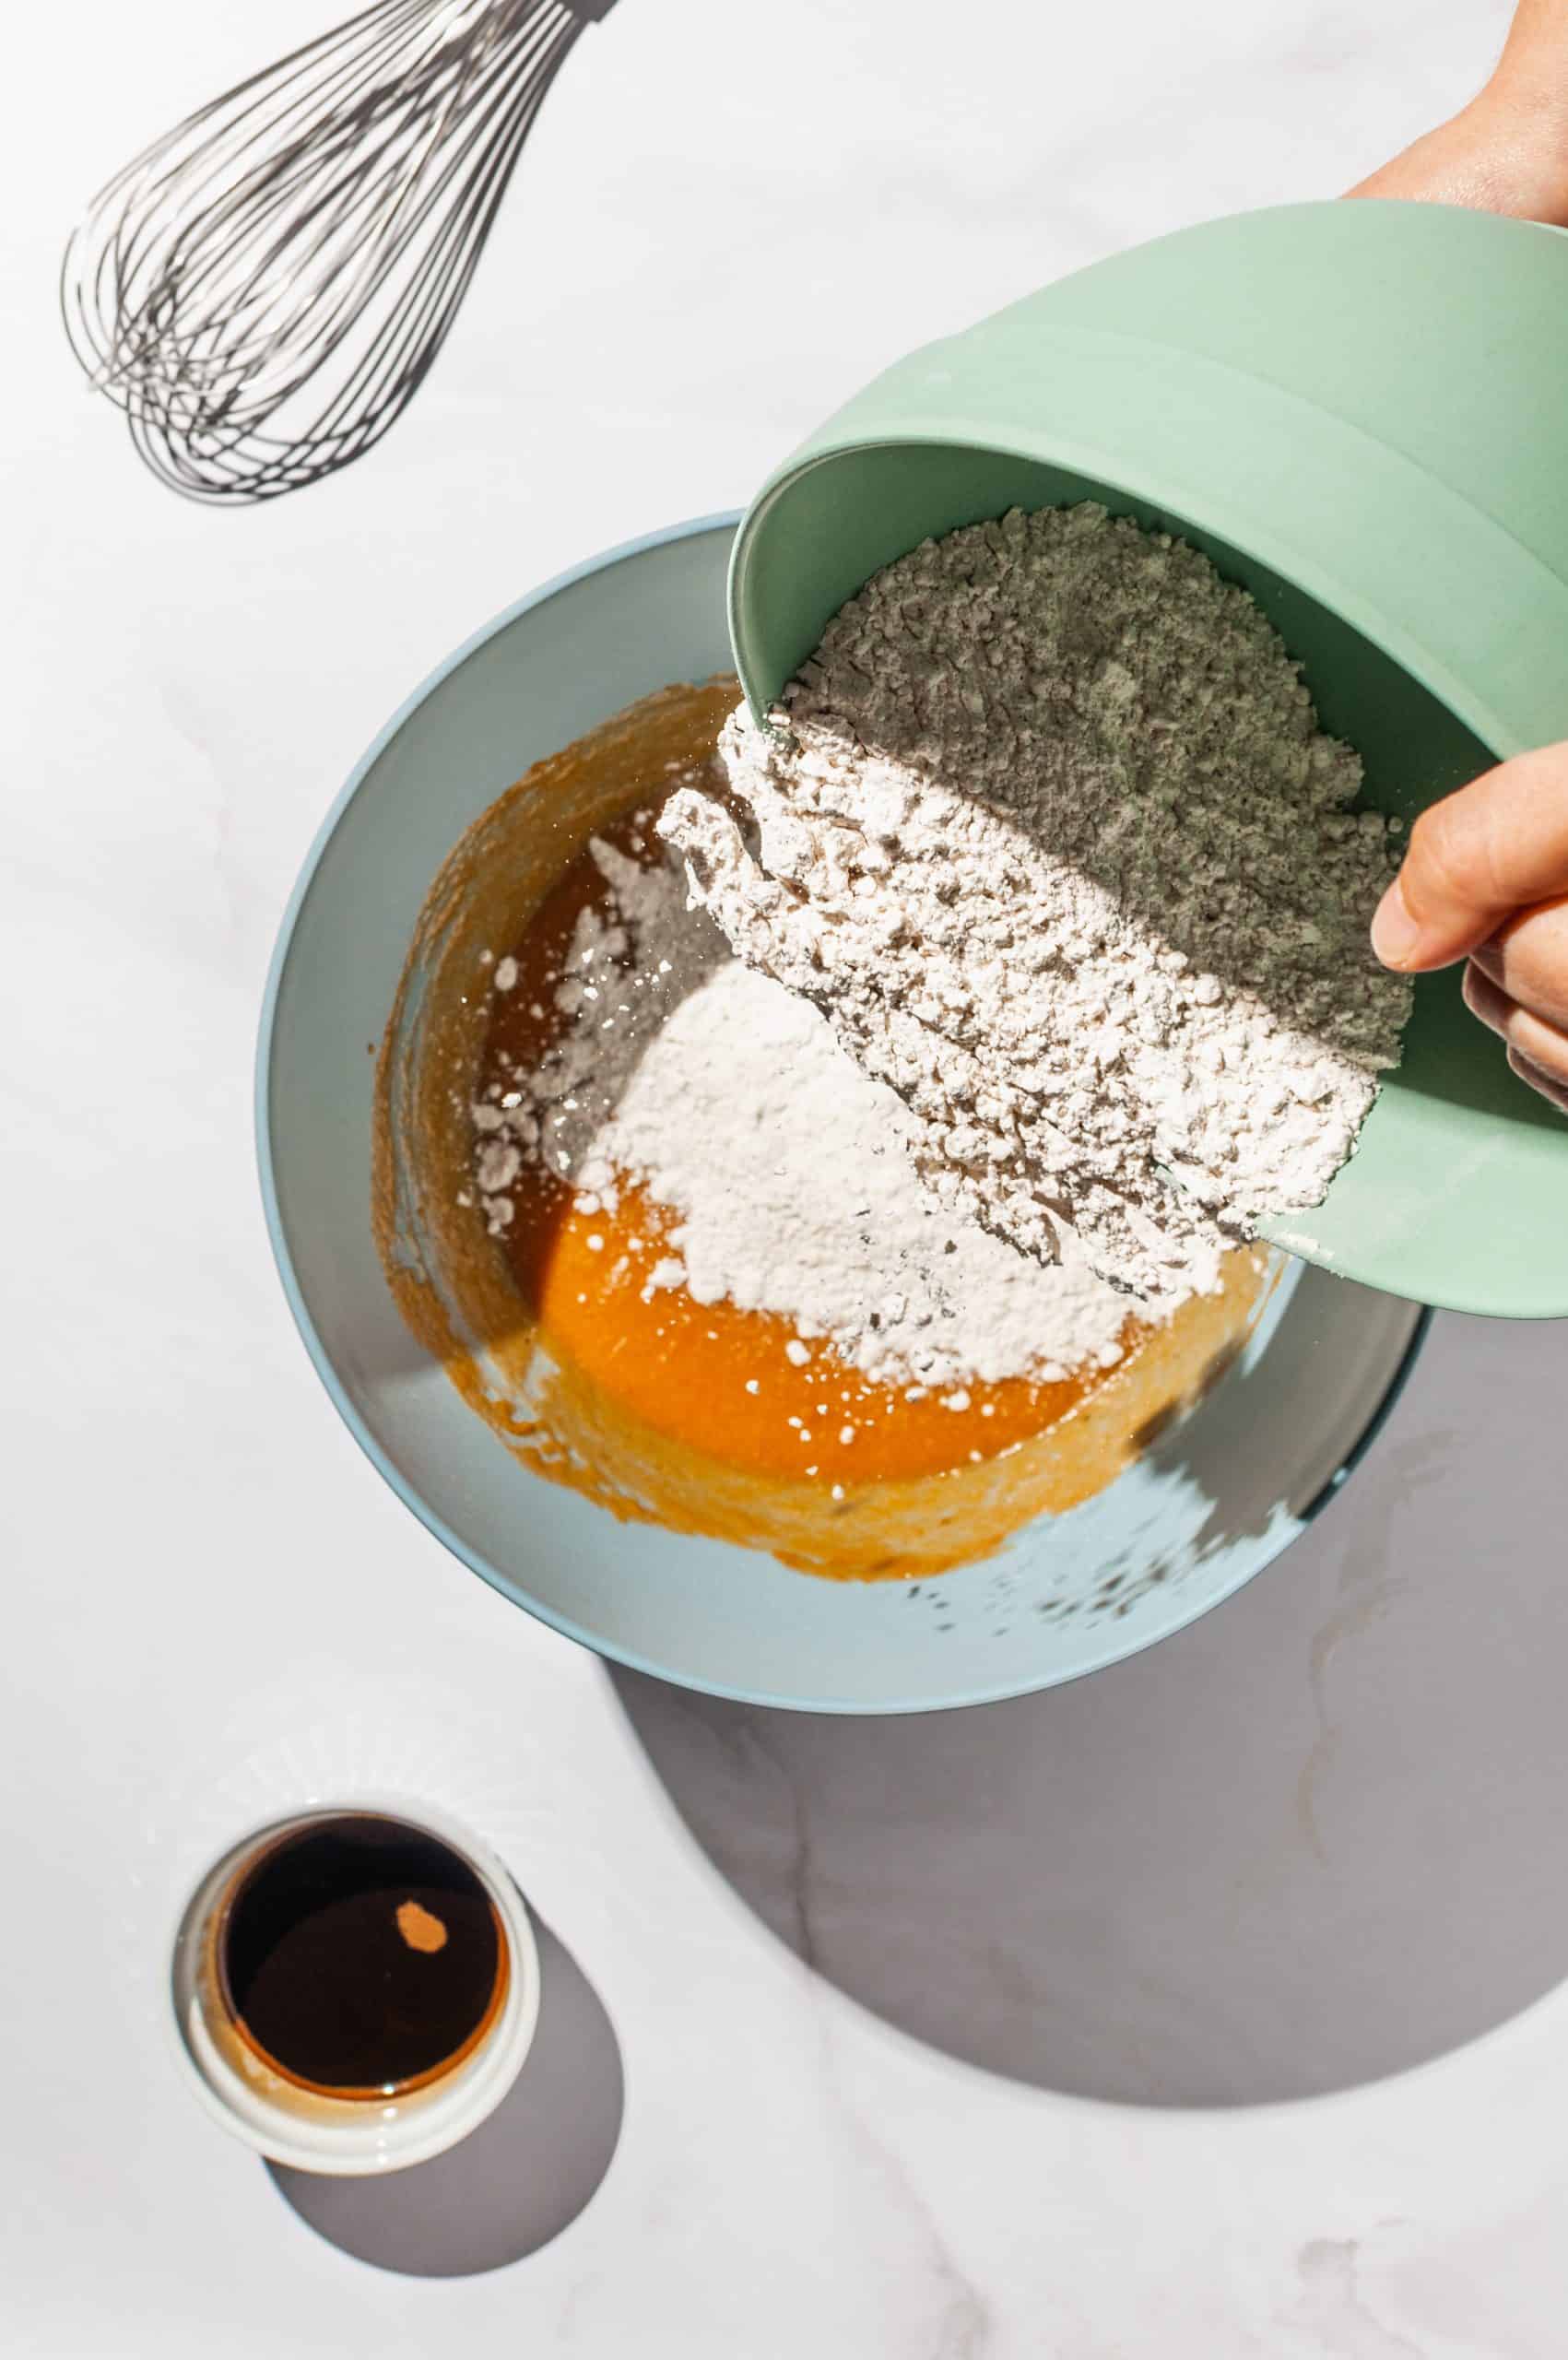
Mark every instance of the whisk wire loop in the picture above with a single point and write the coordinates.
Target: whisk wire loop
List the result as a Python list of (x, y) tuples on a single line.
[(263, 290)]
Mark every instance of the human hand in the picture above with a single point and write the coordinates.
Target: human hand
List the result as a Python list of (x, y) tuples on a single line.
[(1487, 875), (1487, 870), (1507, 150)]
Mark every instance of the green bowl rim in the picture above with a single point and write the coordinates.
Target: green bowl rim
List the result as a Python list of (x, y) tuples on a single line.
[(1103, 470)]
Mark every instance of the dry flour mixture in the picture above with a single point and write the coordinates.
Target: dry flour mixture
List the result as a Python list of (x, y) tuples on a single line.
[(1048, 832), (789, 1172)]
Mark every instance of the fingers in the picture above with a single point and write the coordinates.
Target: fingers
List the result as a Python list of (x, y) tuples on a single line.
[(1538, 1050), (1487, 873), (1528, 960), (1553, 1091), (1475, 859)]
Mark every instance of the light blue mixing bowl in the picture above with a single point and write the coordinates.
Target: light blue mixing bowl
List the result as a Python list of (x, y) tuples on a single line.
[(1214, 1500)]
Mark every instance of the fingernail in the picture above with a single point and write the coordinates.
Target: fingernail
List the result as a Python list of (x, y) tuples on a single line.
[(1396, 937)]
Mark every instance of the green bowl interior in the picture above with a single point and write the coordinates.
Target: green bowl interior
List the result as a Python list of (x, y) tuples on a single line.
[(1413, 1210)]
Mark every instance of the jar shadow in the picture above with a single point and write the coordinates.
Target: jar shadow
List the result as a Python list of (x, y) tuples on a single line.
[(1307, 1842), (514, 2183)]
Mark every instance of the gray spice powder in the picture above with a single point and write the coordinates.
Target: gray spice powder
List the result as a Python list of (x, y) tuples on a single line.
[(1048, 831)]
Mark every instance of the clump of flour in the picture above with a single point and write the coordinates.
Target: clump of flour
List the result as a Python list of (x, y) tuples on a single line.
[(1049, 833), (788, 1173)]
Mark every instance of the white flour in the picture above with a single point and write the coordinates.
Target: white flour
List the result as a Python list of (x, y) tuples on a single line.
[(1049, 833), (789, 1171)]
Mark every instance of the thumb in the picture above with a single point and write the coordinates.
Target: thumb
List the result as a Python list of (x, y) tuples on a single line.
[(1494, 847)]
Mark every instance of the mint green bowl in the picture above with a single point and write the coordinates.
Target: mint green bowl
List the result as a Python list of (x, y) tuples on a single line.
[(1356, 410)]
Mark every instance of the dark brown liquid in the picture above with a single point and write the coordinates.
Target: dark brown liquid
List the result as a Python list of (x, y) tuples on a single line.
[(362, 1956)]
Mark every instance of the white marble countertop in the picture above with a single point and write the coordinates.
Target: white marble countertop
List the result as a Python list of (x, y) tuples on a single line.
[(1087, 2026)]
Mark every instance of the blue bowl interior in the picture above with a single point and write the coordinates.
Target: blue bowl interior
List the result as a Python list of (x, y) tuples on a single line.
[(1215, 1499)]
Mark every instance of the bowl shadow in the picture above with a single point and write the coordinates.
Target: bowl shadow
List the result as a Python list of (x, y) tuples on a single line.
[(513, 2184), (1304, 1843)]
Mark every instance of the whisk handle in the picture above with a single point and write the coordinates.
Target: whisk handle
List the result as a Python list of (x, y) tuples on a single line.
[(590, 11)]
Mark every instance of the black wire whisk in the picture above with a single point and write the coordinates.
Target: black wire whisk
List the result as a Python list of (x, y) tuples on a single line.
[(263, 290)]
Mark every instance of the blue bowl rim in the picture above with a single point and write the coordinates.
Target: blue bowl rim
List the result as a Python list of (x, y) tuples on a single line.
[(724, 520)]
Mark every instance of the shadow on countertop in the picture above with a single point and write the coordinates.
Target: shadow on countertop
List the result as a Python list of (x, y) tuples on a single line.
[(1312, 1839), (518, 2180)]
